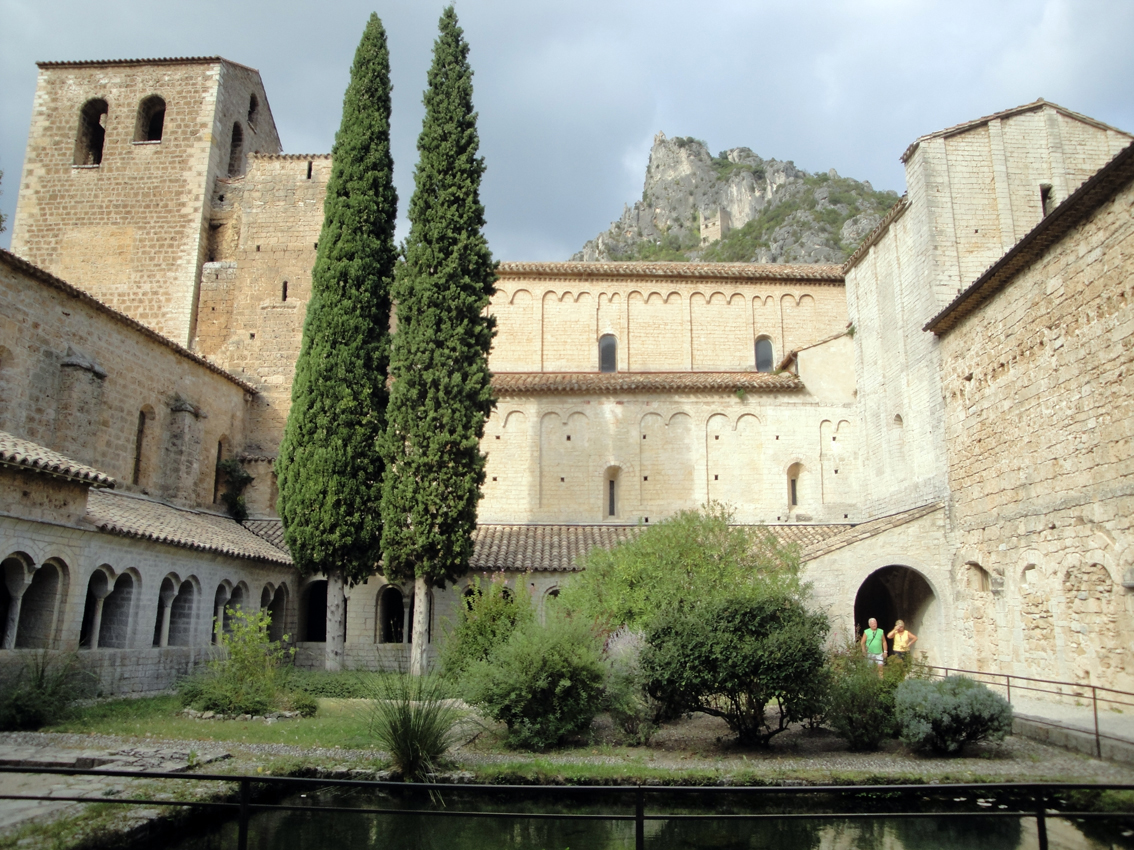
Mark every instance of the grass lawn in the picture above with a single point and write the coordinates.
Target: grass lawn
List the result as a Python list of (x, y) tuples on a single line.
[(339, 723)]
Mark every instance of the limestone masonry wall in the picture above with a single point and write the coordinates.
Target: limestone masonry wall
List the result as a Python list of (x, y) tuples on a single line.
[(1039, 404), (54, 343)]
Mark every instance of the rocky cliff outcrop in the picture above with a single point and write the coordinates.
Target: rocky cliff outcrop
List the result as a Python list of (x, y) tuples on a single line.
[(738, 207)]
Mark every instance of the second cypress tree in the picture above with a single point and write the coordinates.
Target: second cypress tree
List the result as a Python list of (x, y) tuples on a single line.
[(329, 465), (441, 391)]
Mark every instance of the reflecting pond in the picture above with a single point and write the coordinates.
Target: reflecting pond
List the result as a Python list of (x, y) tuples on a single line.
[(293, 830)]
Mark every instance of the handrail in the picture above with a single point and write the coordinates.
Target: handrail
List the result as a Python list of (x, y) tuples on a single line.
[(1079, 686), (1036, 799)]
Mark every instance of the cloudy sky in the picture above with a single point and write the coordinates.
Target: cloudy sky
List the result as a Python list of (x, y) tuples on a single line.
[(570, 94)]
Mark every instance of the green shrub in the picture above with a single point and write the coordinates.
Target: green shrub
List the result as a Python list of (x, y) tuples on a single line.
[(42, 691), (545, 683), (413, 719), (344, 684), (861, 707), (942, 716), (487, 619), (731, 657), (631, 708), (248, 678)]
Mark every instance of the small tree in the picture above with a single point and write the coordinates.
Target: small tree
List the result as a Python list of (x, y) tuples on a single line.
[(329, 466), (731, 657), (487, 618), (441, 391), (679, 563)]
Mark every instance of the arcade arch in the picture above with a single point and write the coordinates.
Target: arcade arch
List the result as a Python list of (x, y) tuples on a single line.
[(900, 592)]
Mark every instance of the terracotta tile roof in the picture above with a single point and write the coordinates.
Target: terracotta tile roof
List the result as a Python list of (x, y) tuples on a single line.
[(137, 516), (167, 60), (1034, 106), (556, 548), (892, 215), (25, 454), (22, 265), (756, 272), (865, 530), (523, 383), (1106, 183), (289, 156)]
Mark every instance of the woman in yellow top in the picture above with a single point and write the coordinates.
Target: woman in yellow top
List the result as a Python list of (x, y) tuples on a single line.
[(901, 640)]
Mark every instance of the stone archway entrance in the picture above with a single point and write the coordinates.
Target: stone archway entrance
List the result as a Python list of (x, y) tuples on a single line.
[(897, 592)]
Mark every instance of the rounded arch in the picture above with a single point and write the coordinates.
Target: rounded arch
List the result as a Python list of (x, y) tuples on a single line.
[(117, 611), (608, 353), (150, 124), (765, 354), (14, 572), (182, 612), (277, 610), (900, 592), (313, 611), (42, 605), (390, 613), (91, 136)]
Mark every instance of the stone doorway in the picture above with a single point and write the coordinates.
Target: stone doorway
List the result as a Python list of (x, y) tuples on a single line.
[(898, 592)]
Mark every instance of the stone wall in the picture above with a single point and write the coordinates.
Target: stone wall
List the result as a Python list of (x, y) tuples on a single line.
[(973, 191), (130, 228), (552, 322), (254, 290), (81, 379), (1038, 404)]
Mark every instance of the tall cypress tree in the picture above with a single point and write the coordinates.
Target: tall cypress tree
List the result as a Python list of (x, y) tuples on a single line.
[(441, 391), (329, 466)]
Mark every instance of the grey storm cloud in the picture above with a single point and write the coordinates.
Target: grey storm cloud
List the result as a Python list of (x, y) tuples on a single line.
[(570, 94)]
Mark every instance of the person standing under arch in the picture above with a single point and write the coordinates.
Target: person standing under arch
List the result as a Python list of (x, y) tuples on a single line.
[(873, 643), (902, 640)]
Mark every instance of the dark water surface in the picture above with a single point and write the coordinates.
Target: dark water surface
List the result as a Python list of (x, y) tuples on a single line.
[(301, 830)]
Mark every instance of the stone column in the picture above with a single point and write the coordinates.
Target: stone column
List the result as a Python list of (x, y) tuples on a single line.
[(17, 580), (100, 594), (167, 597)]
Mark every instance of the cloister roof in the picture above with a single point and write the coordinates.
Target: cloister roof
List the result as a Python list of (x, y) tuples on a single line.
[(593, 383), (24, 454), (137, 516)]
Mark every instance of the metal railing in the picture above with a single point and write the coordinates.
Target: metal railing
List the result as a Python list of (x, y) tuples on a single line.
[(1039, 801), (1075, 690)]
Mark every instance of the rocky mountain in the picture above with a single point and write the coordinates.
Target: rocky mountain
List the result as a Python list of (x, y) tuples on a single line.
[(737, 207)]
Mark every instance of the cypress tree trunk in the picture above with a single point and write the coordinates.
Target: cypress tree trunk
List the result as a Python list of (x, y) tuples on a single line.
[(419, 646), (441, 391), (336, 612), (330, 465)]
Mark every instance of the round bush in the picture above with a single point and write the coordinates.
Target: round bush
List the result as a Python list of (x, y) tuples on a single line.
[(942, 716), (544, 683)]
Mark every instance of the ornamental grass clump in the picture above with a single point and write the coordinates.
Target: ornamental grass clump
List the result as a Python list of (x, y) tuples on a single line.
[(414, 720), (42, 691), (942, 716)]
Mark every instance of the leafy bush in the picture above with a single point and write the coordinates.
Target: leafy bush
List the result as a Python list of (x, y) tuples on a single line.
[(678, 563), (487, 619), (344, 684), (731, 657), (545, 683), (861, 707), (413, 719), (248, 678), (631, 708), (42, 691), (942, 716)]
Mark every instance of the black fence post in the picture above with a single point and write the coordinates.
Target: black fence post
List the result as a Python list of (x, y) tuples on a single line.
[(1095, 704), (640, 820), (1041, 820), (246, 793)]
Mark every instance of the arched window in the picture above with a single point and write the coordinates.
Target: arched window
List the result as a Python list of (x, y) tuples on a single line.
[(795, 472), (253, 109), (92, 132), (610, 493), (236, 152), (151, 119), (765, 357), (391, 616), (608, 353)]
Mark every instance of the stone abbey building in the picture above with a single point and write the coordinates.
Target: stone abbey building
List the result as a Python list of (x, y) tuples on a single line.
[(943, 424)]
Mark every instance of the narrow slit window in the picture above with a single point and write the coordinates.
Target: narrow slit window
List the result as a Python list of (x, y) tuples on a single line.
[(794, 492), (236, 152), (253, 110), (283, 293), (139, 442), (608, 353), (610, 504), (218, 473), (1047, 202), (309, 169)]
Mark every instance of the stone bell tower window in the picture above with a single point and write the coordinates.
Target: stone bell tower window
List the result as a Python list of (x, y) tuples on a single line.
[(92, 132), (151, 119), (236, 152)]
